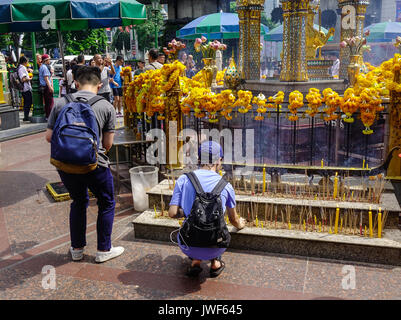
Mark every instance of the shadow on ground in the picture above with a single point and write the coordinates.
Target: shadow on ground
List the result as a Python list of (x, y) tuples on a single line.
[(156, 278), (16, 186)]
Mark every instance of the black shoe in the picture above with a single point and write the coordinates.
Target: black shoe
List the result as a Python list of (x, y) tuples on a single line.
[(193, 271), (216, 272)]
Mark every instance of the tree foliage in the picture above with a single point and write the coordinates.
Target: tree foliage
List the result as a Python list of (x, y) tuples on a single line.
[(277, 15), (121, 41), (329, 19), (146, 31)]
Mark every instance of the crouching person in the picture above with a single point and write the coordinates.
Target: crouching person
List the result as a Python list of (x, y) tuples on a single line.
[(203, 197)]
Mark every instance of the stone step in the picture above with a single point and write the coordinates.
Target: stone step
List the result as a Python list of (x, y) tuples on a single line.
[(386, 250), (388, 203)]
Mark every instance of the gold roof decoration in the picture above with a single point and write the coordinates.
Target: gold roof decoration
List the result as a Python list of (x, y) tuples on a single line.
[(246, 3)]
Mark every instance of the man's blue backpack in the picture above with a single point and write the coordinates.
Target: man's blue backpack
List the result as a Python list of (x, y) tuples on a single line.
[(75, 138)]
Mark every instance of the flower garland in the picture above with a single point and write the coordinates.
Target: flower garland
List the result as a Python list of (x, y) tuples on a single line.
[(315, 100), (369, 106), (332, 101), (244, 101), (350, 105), (260, 101), (226, 98), (296, 101)]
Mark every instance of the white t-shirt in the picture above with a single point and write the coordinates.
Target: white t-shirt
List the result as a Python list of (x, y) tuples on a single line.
[(335, 69), (23, 72), (70, 79), (104, 78)]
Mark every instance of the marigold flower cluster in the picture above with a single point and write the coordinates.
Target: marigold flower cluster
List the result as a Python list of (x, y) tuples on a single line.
[(296, 101), (333, 102), (315, 100)]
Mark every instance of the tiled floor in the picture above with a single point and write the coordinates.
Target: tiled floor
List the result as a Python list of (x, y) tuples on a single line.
[(34, 232)]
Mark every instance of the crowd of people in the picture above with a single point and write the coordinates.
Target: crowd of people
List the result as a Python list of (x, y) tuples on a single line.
[(111, 81)]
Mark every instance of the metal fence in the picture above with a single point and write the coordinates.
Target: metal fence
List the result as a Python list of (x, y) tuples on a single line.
[(308, 141)]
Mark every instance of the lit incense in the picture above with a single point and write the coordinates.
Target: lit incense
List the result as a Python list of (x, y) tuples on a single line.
[(336, 221), (379, 223), (264, 180), (335, 186), (370, 223)]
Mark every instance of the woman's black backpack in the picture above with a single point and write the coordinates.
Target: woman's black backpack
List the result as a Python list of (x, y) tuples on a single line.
[(205, 226)]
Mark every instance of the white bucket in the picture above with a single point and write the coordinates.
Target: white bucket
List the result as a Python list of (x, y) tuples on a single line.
[(143, 179)]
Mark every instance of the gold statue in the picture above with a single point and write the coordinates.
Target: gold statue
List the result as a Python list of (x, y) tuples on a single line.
[(315, 39)]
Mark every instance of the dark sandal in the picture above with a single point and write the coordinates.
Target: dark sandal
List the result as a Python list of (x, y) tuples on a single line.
[(193, 271), (216, 272)]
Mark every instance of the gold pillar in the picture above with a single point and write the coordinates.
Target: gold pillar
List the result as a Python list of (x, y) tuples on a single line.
[(249, 13), (352, 22), (294, 66), (173, 130)]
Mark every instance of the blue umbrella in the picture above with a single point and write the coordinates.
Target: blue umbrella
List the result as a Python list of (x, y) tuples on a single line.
[(220, 25), (383, 31)]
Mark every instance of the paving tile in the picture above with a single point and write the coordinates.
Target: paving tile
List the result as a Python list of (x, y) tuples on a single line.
[(327, 278)]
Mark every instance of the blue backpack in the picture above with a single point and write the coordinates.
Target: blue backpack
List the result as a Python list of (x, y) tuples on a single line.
[(75, 138)]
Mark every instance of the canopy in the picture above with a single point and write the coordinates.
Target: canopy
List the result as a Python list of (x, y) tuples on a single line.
[(28, 15), (220, 25), (383, 31), (276, 34)]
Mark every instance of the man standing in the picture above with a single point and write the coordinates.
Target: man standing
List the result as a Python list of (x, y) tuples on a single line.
[(27, 90), (99, 181), (117, 85), (70, 77), (141, 68), (335, 69), (107, 70), (46, 85), (153, 63), (210, 159), (162, 58)]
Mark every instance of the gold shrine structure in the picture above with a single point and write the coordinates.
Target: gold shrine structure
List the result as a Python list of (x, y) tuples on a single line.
[(352, 22), (249, 13)]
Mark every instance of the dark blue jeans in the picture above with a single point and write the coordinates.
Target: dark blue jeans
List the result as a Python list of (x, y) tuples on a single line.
[(100, 182)]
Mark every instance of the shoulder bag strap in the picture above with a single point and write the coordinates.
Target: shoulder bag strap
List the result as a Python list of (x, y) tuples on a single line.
[(195, 182), (219, 187)]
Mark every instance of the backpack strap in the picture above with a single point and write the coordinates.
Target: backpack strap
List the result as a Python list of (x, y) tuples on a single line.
[(95, 99), (219, 187), (91, 101), (69, 98), (195, 182)]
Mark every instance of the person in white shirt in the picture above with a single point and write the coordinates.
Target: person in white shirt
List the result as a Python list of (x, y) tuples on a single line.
[(27, 90), (335, 69), (70, 78), (107, 70)]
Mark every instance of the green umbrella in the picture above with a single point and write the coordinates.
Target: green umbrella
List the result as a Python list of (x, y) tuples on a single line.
[(36, 15), (65, 15), (214, 26), (276, 34)]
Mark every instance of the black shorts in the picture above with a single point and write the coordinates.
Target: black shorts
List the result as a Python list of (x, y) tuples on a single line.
[(118, 92)]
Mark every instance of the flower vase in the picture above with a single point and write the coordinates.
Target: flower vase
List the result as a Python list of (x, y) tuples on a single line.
[(353, 69), (210, 72)]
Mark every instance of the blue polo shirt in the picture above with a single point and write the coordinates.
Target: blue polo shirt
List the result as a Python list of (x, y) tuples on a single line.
[(117, 77), (184, 196), (43, 72)]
